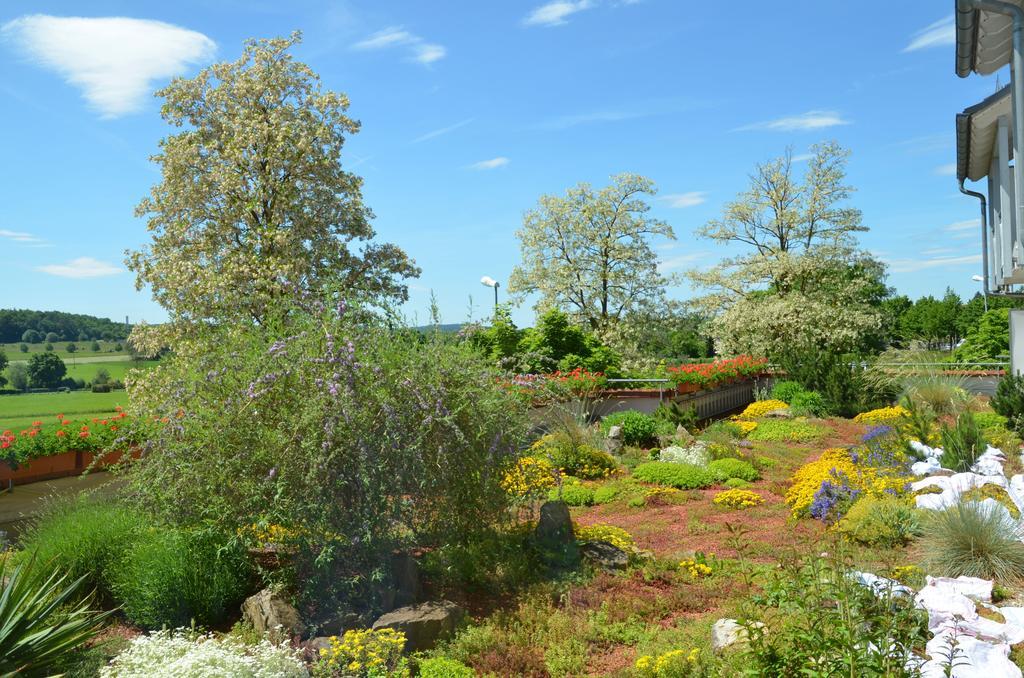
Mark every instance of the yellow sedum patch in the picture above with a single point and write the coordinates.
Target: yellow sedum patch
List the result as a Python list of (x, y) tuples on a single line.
[(696, 569), (761, 408), (671, 664), (739, 499), (883, 416), (833, 464), (529, 478), (745, 427), (616, 536), (363, 653)]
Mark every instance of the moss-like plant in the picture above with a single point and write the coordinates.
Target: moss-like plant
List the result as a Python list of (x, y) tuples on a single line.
[(680, 476), (727, 468)]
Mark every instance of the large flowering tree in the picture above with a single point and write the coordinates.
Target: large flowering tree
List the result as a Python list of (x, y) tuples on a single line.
[(254, 201), (800, 280)]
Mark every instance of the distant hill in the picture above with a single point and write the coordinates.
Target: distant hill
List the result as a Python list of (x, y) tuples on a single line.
[(67, 326), (448, 327)]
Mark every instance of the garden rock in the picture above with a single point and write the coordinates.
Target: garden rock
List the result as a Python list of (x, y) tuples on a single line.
[(405, 579), (270, 613), (605, 555), (614, 441), (745, 444), (424, 624), (726, 632), (779, 414), (554, 528), (684, 437)]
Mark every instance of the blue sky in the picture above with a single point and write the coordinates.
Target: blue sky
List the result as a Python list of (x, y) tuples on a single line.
[(471, 110)]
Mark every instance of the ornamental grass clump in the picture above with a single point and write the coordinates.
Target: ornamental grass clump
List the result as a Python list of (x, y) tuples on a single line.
[(680, 476), (962, 444), (974, 540)]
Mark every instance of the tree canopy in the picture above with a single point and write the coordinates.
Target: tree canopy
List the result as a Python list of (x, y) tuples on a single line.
[(254, 203), (589, 252)]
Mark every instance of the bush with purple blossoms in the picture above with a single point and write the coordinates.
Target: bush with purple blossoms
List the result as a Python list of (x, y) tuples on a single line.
[(356, 436)]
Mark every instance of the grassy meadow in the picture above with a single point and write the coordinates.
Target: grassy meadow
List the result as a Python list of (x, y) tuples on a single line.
[(18, 411), (107, 348)]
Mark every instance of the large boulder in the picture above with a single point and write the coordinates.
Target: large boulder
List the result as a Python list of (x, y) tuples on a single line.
[(270, 613), (605, 555), (405, 579), (554, 528), (424, 624)]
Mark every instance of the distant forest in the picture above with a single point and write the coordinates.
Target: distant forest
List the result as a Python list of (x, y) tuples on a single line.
[(24, 325)]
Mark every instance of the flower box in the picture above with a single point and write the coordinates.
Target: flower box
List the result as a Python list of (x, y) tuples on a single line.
[(63, 465)]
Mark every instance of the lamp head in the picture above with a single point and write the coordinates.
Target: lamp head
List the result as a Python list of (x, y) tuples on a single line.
[(977, 278), (488, 281)]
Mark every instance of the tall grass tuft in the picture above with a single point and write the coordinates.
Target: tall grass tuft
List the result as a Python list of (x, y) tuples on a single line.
[(942, 394), (976, 540), (962, 444)]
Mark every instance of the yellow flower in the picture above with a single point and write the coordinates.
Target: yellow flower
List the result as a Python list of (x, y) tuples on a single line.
[(738, 498), (760, 408), (889, 416)]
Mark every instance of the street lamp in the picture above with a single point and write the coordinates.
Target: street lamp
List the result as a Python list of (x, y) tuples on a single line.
[(488, 281), (984, 292)]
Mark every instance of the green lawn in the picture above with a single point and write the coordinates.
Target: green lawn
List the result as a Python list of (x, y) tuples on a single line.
[(22, 409), (13, 351), (77, 369)]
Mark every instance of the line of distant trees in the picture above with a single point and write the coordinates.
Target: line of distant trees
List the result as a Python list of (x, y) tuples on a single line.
[(23, 325)]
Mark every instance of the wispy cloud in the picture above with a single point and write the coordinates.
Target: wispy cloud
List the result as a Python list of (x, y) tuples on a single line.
[(82, 267), (555, 13), (637, 109), (114, 61), (942, 33), (965, 225), (685, 199), (946, 170), (935, 251), (493, 163), (19, 236), (925, 144), (680, 261), (810, 120), (802, 157), (395, 36), (444, 130), (914, 265)]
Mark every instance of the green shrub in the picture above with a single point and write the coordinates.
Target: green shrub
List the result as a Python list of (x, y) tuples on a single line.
[(786, 430), (574, 457), (173, 577), (86, 538), (681, 476), (574, 495), (736, 483), (605, 494), (638, 429), (1009, 400), (677, 415), (885, 521), (974, 540), (443, 667), (809, 403), (723, 469), (786, 391), (962, 444), (990, 420)]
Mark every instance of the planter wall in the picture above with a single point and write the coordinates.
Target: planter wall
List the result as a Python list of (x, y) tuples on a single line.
[(62, 465)]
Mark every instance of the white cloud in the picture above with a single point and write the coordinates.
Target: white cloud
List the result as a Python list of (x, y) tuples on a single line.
[(942, 33), (493, 163), (965, 225), (946, 170), (554, 13), (82, 267), (19, 236), (428, 54), (795, 123), (914, 265), (392, 36), (396, 36), (685, 199), (680, 261), (802, 157), (444, 130), (113, 60)]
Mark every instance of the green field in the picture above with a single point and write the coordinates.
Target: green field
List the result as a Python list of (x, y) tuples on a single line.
[(77, 369), (14, 352), (19, 411)]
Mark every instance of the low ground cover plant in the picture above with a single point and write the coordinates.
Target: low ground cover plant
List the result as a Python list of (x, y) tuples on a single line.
[(881, 521), (724, 469), (783, 430), (737, 498), (759, 408), (679, 476)]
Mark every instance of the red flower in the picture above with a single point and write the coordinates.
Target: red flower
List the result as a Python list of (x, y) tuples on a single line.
[(37, 424), (83, 434), (61, 433)]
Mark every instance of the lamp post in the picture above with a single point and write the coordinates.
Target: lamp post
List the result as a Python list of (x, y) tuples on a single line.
[(488, 281), (984, 292)]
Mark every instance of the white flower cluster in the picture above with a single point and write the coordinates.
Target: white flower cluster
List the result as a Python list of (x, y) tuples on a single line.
[(696, 454), (182, 654)]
